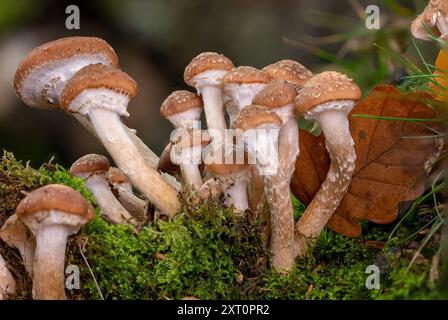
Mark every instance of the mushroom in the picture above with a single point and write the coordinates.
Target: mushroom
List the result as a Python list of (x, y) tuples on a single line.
[(43, 73), (166, 165), (328, 98), (186, 152), (7, 282), (15, 234), (279, 96), (92, 169), (204, 73), (434, 18), (183, 109), (288, 70), (240, 86), (102, 93), (231, 168), (138, 208), (260, 128), (52, 213)]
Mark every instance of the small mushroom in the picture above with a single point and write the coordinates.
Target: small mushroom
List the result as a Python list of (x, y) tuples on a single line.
[(183, 109), (289, 70), (166, 165), (52, 213), (240, 86), (16, 235), (186, 152), (44, 72), (204, 73), (233, 171), (434, 18), (122, 187), (92, 168), (260, 128), (328, 98), (102, 93), (7, 282), (279, 96)]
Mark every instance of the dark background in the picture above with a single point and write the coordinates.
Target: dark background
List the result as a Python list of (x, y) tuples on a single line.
[(156, 39)]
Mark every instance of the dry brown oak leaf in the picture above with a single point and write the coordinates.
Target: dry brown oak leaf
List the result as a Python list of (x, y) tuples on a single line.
[(389, 165)]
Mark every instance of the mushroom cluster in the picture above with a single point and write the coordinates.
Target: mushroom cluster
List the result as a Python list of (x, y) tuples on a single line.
[(246, 153)]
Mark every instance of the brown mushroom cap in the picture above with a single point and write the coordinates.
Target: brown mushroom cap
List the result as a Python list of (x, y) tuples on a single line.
[(276, 94), (190, 138), (55, 197), (253, 116), (245, 74), (222, 168), (116, 176), (429, 17), (97, 76), (326, 87), (204, 62), (288, 70), (90, 163), (180, 101), (64, 48)]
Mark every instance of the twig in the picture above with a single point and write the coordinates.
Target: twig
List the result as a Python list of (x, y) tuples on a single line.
[(91, 272)]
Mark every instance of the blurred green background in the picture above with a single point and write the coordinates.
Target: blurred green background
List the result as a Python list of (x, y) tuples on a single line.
[(155, 40)]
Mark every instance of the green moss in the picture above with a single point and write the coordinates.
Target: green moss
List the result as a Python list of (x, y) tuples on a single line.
[(210, 253)]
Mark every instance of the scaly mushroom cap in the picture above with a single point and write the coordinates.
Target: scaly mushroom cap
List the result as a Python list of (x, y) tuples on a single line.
[(288, 70), (325, 87), (206, 61), (253, 116), (245, 75), (188, 138), (90, 163), (76, 52), (180, 101), (116, 176), (55, 197), (435, 10), (98, 76), (276, 94)]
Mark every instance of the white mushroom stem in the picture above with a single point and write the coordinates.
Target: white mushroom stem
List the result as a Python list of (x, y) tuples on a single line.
[(51, 230), (188, 158), (150, 157), (208, 86), (7, 282), (332, 118), (15, 234), (110, 130), (278, 196), (288, 140), (110, 207), (236, 192)]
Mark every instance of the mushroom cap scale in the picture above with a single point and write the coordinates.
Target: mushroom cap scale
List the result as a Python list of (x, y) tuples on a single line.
[(56, 59), (90, 163), (180, 101), (206, 61), (55, 197), (276, 94), (253, 116), (288, 70), (245, 74), (98, 76), (326, 87)]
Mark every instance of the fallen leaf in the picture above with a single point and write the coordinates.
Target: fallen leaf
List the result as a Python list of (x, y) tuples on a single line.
[(442, 76), (389, 167)]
